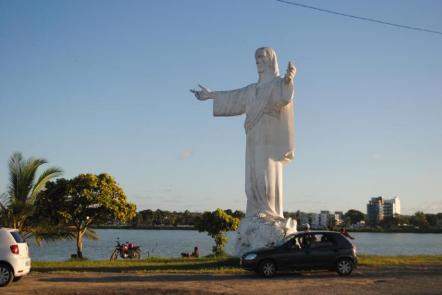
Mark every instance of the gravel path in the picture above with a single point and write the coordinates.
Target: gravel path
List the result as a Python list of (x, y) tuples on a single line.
[(384, 280)]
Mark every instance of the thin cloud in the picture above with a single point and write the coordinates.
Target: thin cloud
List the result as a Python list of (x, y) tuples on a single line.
[(167, 190), (376, 156), (186, 154), (433, 207)]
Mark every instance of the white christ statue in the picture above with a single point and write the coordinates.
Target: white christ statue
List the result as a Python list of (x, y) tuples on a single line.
[(268, 105)]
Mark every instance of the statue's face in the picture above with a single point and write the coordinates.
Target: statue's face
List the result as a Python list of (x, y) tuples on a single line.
[(262, 61)]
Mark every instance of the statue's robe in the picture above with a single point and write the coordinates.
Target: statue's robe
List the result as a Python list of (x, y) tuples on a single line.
[(269, 127)]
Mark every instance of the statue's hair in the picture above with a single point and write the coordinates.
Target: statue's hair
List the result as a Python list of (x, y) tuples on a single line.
[(273, 58)]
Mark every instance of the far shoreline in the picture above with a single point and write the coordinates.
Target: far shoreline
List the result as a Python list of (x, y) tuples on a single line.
[(190, 227)]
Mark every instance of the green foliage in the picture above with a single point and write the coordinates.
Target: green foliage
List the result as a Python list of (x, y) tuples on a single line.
[(353, 216), (375, 260), (17, 205), (216, 224), (152, 264), (163, 218), (82, 201), (419, 219), (432, 219), (237, 213)]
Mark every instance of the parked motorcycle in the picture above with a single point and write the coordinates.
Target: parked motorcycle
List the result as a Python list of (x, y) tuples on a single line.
[(126, 251)]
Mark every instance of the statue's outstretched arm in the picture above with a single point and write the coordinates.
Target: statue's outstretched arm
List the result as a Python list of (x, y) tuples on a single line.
[(290, 74), (202, 94)]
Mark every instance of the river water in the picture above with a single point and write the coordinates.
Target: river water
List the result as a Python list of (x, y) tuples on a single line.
[(170, 243)]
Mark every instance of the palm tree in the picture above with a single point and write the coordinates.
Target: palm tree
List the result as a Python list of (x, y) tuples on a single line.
[(17, 205)]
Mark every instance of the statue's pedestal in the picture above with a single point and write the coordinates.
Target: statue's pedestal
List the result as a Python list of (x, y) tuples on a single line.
[(260, 232)]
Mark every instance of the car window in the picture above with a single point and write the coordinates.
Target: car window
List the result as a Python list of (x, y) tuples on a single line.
[(294, 244), (17, 237), (305, 241), (323, 241), (317, 240)]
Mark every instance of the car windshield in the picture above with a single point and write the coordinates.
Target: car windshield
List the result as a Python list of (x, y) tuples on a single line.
[(17, 237), (289, 237)]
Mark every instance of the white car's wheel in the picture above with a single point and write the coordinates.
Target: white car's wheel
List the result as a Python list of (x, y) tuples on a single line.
[(6, 275), (344, 267)]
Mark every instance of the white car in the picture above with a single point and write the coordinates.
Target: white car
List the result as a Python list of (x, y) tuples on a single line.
[(15, 261)]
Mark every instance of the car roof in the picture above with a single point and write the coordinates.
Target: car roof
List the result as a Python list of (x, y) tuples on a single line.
[(312, 232), (316, 232), (7, 228)]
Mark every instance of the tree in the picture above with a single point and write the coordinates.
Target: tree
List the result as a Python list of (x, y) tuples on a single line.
[(216, 224), (388, 222), (17, 205), (239, 214), (354, 216), (82, 201), (431, 219), (419, 219)]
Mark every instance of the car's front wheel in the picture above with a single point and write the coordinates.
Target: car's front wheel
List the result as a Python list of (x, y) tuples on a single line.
[(344, 267), (267, 268), (6, 275)]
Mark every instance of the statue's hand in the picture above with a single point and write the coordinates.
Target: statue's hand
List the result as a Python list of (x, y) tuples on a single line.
[(291, 73), (202, 94)]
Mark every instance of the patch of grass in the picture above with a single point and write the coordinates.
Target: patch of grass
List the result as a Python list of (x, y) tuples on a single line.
[(373, 260), (154, 264), (201, 265)]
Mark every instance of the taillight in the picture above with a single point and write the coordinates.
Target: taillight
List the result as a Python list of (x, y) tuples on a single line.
[(354, 251), (14, 249)]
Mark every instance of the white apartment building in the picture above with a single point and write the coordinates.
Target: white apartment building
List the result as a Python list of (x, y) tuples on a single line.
[(392, 207)]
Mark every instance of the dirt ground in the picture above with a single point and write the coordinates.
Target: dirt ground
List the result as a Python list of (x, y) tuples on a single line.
[(385, 280)]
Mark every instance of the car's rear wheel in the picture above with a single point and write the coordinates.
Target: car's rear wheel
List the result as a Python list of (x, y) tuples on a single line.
[(267, 268), (6, 275), (344, 267)]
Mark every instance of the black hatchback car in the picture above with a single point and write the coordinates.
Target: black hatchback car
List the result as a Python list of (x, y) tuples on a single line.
[(304, 251)]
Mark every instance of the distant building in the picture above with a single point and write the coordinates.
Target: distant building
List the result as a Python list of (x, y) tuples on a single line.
[(324, 219), (336, 218), (304, 219), (314, 220), (375, 211), (392, 207), (379, 208), (321, 220)]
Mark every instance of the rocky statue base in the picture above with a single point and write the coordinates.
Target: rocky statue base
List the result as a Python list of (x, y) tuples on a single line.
[(260, 232)]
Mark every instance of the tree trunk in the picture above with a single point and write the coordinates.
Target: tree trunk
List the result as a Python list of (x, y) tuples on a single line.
[(80, 243)]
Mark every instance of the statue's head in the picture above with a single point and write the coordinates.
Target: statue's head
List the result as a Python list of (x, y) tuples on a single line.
[(266, 60)]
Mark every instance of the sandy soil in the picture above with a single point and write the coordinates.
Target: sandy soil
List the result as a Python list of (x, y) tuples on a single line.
[(386, 280)]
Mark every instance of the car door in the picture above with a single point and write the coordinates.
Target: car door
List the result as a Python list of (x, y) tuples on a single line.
[(322, 251), (293, 255)]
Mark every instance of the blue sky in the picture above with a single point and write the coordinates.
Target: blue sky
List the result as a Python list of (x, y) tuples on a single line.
[(103, 86)]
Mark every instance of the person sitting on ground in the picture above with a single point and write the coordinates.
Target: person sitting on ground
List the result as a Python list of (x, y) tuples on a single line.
[(195, 253)]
